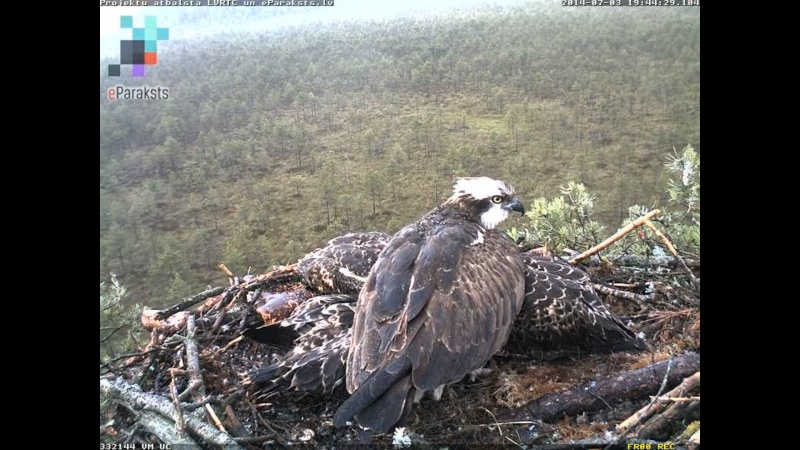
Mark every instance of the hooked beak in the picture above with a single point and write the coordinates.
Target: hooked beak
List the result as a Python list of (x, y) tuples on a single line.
[(516, 205)]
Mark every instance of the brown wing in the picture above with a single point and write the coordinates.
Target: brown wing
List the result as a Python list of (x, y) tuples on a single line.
[(562, 312), (431, 311), (341, 265), (317, 361)]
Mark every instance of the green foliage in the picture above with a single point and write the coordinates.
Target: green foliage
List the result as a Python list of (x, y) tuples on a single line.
[(682, 218), (564, 222), (118, 321), (567, 222)]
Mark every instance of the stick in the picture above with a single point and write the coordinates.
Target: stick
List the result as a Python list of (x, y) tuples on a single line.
[(108, 336), (193, 360), (214, 417), (653, 407), (661, 235), (647, 261), (200, 404), (675, 413), (133, 398), (227, 271), (164, 430), (677, 399), (673, 251), (170, 325), (189, 302), (180, 426), (615, 237), (647, 410), (189, 389), (229, 345), (252, 440), (583, 397), (235, 425), (639, 299)]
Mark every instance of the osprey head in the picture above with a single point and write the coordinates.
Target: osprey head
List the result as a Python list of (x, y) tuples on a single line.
[(486, 200)]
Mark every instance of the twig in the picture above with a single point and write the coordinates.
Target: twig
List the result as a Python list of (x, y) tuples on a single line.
[(673, 251), (112, 333), (677, 399), (173, 390), (189, 302), (639, 299), (648, 410), (500, 429), (261, 420), (214, 418), (513, 422), (615, 237), (189, 389), (227, 271), (676, 412), (108, 363), (601, 399), (661, 235), (225, 309), (201, 403), (229, 345), (252, 440), (653, 407), (234, 425), (154, 341), (646, 261), (666, 375)]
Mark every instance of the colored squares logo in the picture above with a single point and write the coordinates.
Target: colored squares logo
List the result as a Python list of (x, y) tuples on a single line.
[(142, 49)]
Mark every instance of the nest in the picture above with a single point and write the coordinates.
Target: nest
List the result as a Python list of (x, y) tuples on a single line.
[(185, 386)]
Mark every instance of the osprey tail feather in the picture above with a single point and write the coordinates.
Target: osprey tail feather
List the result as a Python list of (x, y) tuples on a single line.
[(382, 400)]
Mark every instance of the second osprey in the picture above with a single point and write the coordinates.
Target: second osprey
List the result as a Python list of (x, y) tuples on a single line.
[(438, 303)]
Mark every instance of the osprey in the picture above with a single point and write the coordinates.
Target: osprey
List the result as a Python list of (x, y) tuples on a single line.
[(561, 315), (437, 304), (342, 266)]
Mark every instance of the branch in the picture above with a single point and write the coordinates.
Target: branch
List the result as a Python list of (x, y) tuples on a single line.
[(136, 400), (677, 399), (655, 406), (170, 325), (180, 423), (649, 261), (164, 429), (639, 299), (674, 252), (112, 333), (193, 360), (189, 302), (615, 237), (588, 396), (227, 271)]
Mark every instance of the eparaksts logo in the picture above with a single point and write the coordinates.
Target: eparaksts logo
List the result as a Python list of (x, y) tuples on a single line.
[(140, 51), (120, 92)]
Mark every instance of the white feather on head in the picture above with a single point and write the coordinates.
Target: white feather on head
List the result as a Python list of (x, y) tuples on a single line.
[(480, 188)]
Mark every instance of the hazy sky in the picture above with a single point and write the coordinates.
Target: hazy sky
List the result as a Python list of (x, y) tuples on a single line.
[(110, 33)]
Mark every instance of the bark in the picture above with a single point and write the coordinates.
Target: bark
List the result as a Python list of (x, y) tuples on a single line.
[(595, 395)]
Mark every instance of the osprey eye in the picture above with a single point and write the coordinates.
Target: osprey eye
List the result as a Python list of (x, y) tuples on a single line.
[(497, 199)]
